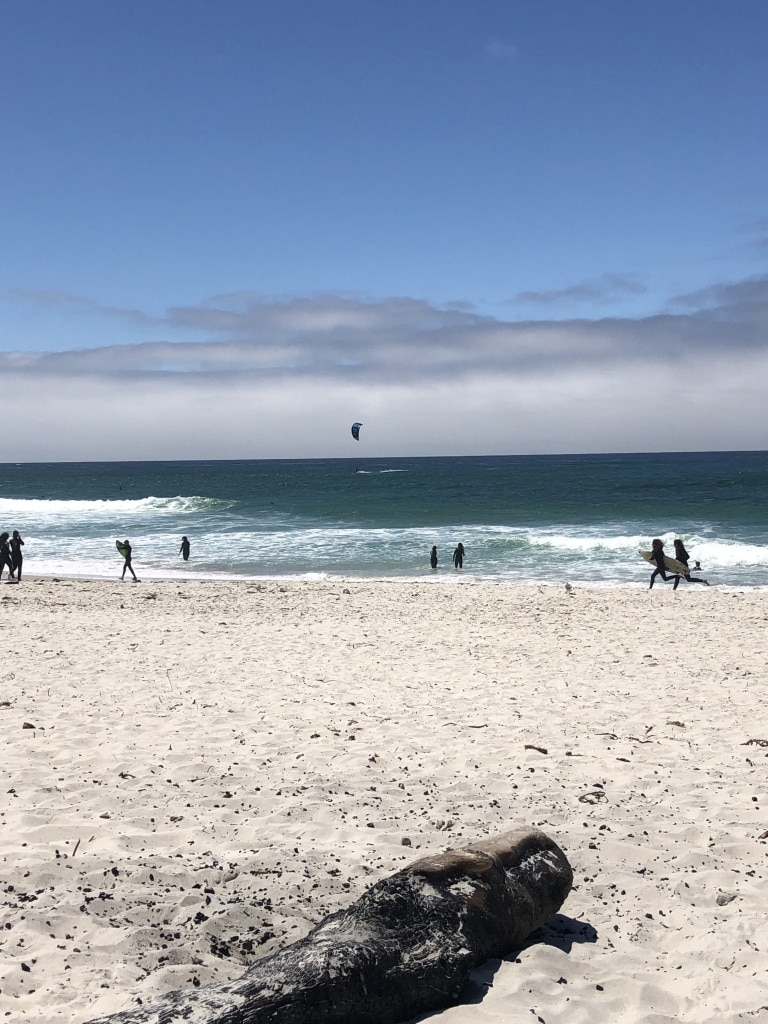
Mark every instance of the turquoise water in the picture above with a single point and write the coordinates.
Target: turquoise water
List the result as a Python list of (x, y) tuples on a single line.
[(520, 518)]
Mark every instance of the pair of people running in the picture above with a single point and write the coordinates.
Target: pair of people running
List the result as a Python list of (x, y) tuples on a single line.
[(682, 556), (11, 554)]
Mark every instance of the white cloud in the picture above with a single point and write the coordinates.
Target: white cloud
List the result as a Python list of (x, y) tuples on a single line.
[(605, 289), (287, 378)]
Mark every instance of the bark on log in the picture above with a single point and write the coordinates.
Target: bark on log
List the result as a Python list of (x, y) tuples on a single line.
[(406, 947)]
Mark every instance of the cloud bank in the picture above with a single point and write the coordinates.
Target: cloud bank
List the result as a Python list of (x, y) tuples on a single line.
[(254, 377)]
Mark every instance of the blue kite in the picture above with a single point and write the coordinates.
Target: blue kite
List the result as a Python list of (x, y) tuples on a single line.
[(356, 430)]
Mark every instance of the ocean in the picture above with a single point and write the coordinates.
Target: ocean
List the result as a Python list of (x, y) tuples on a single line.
[(521, 519)]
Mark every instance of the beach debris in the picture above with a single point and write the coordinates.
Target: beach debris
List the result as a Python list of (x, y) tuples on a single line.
[(593, 797), (724, 898), (532, 746), (28, 725), (644, 739), (406, 947), (757, 743), (681, 725)]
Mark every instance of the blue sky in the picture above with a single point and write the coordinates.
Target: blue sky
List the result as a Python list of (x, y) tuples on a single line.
[(230, 229)]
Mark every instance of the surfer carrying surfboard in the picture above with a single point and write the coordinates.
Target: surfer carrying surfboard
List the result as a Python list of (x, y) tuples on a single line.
[(657, 559), (682, 556), (127, 553)]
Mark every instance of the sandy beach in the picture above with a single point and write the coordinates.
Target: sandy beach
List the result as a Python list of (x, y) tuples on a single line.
[(195, 774)]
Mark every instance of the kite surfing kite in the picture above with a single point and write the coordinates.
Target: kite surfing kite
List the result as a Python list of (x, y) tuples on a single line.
[(356, 430)]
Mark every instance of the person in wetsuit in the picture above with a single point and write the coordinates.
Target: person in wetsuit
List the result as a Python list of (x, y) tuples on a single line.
[(657, 558), (682, 556), (5, 555), (127, 563), (184, 549), (16, 556), (433, 556), (458, 556)]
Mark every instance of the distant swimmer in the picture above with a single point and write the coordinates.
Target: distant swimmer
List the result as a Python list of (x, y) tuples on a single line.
[(184, 549), (458, 556), (433, 557), (657, 559), (682, 556), (127, 554)]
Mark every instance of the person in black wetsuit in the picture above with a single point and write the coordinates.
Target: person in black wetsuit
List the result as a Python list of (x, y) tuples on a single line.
[(682, 556), (433, 556), (184, 549), (657, 557), (16, 556), (5, 555), (127, 564), (458, 556)]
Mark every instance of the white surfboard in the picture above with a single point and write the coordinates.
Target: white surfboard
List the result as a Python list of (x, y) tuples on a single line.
[(671, 564)]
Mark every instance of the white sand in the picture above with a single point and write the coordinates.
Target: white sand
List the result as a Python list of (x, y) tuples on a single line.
[(213, 768)]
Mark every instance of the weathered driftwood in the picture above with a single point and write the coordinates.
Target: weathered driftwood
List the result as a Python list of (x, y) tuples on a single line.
[(407, 946)]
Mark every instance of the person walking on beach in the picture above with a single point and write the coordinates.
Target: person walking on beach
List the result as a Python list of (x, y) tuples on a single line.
[(458, 556), (433, 556), (5, 555), (682, 556), (657, 557), (184, 549), (128, 553), (16, 556)]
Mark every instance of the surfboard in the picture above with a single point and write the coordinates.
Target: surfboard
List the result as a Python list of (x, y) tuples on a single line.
[(120, 547), (671, 564)]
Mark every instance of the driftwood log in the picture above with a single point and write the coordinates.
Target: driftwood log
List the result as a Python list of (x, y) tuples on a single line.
[(406, 947)]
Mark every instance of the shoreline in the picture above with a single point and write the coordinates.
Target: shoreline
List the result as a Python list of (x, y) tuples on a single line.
[(449, 577), (200, 782)]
